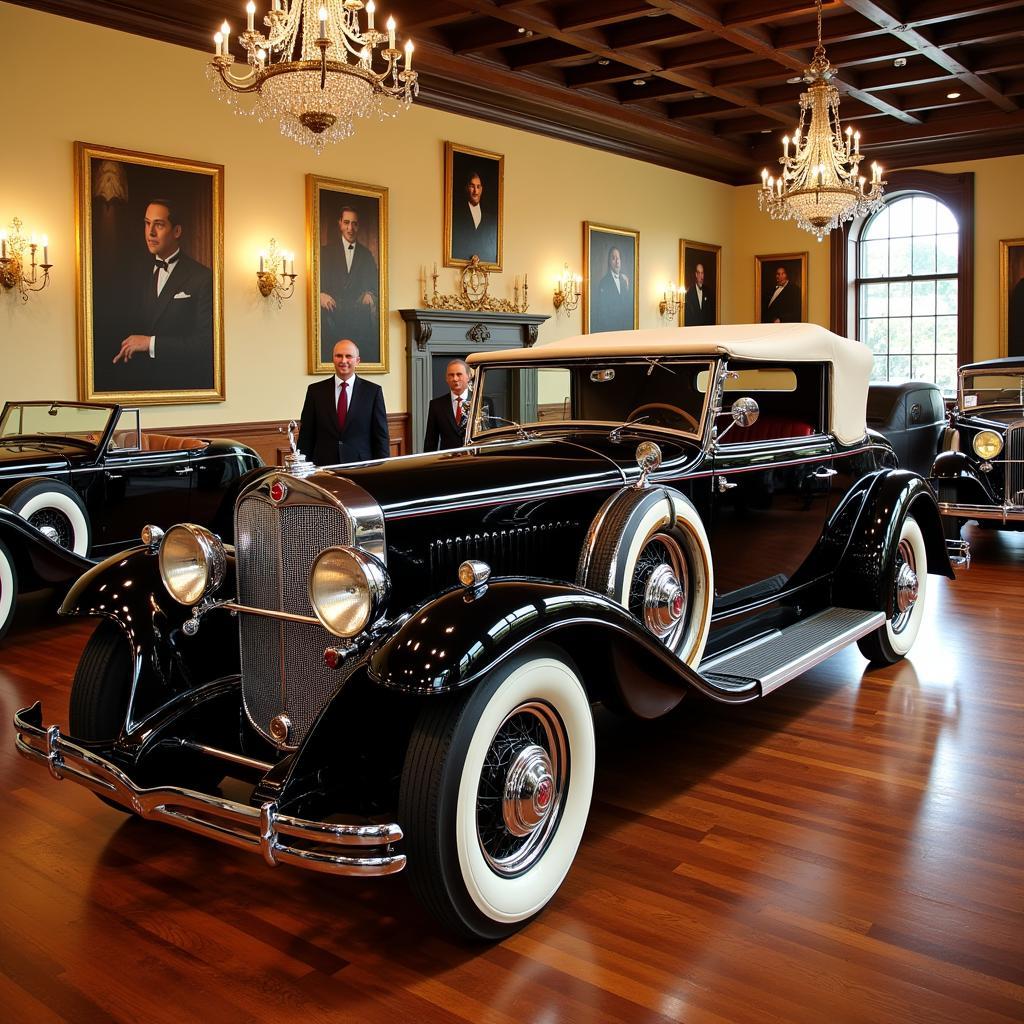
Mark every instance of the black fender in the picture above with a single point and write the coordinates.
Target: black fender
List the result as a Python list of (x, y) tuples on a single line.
[(955, 478), (455, 639), (40, 561), (891, 495), (127, 589)]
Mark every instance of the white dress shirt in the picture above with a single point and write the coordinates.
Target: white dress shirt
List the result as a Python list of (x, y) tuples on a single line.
[(162, 276), (474, 212)]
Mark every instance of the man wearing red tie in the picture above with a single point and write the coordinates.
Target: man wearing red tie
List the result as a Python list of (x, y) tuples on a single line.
[(343, 417), (446, 414)]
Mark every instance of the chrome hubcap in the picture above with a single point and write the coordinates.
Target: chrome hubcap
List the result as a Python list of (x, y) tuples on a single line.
[(905, 587), (529, 789), (50, 533), (663, 600)]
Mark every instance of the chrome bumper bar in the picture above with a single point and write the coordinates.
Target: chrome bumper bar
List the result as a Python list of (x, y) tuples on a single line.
[(259, 829), (1004, 513)]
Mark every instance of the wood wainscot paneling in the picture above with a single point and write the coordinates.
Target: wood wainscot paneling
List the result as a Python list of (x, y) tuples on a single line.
[(270, 437)]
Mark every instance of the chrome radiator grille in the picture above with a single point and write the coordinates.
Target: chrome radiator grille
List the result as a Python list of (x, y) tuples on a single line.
[(1015, 464), (282, 662)]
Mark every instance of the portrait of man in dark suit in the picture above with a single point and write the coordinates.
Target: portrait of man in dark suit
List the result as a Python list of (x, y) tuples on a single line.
[(473, 206), (348, 297), (343, 417), (781, 281), (611, 276), (1012, 273), (150, 259), (699, 272)]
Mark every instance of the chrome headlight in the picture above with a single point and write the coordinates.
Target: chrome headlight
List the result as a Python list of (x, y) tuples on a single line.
[(348, 589), (987, 444), (192, 562)]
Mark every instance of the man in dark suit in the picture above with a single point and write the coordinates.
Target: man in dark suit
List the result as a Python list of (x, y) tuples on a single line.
[(699, 305), (782, 305), (343, 417), (171, 346), (349, 289), (474, 225), (613, 303), (446, 414)]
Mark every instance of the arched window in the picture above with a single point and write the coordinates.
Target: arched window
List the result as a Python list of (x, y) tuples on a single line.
[(906, 290), (902, 280)]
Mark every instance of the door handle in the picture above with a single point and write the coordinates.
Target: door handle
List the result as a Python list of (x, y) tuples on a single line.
[(725, 485), (183, 472), (114, 476), (824, 473)]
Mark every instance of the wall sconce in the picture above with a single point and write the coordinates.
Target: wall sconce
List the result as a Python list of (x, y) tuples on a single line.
[(567, 291), (13, 272), (276, 275), (670, 300)]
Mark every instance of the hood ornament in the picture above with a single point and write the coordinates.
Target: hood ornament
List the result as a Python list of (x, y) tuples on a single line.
[(295, 462)]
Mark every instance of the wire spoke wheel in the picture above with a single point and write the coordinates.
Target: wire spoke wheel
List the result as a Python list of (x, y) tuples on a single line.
[(55, 525)]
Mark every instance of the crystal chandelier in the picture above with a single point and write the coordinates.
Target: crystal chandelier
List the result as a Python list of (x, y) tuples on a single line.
[(819, 186), (314, 69)]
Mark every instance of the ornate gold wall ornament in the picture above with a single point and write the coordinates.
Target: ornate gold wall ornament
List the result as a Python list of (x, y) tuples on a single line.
[(474, 280)]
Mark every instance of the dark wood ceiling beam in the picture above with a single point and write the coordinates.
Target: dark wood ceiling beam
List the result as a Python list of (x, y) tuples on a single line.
[(598, 13), (656, 89), (750, 71), (915, 73), (697, 54), (591, 75), (986, 29), (962, 125), (649, 31), (475, 36), (756, 12), (697, 108), (925, 12), (882, 17), (542, 51), (997, 59), (834, 29)]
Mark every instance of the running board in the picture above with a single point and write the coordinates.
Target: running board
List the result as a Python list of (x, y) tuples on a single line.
[(775, 658)]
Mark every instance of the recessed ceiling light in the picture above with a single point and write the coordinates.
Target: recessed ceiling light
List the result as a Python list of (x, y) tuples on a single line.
[(900, 62), (604, 62), (698, 95), (520, 30), (639, 81), (795, 80), (952, 95), (766, 131)]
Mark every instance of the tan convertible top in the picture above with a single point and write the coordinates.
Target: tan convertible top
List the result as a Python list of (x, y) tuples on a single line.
[(786, 343)]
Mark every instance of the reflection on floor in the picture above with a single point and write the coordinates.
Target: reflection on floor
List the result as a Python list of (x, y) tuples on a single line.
[(847, 850)]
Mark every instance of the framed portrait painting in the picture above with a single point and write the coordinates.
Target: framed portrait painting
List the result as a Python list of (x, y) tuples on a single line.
[(780, 288), (700, 271), (474, 206), (347, 238), (1011, 297), (611, 260), (150, 233)]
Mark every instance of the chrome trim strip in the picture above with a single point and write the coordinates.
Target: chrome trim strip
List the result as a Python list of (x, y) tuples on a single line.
[(269, 613), (258, 829), (227, 755), (1004, 513)]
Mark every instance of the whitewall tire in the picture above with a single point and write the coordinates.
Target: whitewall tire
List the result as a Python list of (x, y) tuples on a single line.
[(8, 587), (53, 509)]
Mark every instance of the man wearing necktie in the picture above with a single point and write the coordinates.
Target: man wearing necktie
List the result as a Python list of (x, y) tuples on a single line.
[(343, 417), (349, 291), (782, 304), (613, 304), (171, 347), (699, 304), (446, 416)]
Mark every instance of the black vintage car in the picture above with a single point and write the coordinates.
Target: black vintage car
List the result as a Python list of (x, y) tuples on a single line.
[(400, 657), (979, 474), (78, 481)]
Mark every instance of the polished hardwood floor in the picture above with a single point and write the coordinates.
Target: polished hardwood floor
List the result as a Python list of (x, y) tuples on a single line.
[(849, 849)]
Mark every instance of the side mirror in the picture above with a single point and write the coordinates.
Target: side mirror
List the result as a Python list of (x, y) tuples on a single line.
[(648, 458), (745, 412)]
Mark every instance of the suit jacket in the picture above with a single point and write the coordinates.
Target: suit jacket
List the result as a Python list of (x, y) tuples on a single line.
[(442, 431), (468, 240), (613, 307), (181, 320), (698, 315), (786, 308), (366, 425), (351, 318)]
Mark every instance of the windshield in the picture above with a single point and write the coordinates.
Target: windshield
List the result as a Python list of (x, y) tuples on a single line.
[(656, 392), (78, 422), (989, 389)]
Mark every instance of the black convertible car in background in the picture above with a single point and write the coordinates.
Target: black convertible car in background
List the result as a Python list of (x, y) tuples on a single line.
[(78, 481), (400, 657)]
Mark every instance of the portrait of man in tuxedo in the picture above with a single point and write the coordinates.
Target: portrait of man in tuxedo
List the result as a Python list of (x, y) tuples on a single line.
[(349, 289), (699, 304), (343, 417), (781, 300), (446, 414), (699, 272), (170, 344), (473, 206), (150, 265)]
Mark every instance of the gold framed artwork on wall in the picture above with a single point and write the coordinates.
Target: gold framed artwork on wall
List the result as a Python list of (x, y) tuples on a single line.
[(474, 206), (1011, 297), (780, 288), (700, 273), (611, 263)]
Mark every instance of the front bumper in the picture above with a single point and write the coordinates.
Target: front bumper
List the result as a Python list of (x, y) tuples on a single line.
[(1003, 513), (280, 838)]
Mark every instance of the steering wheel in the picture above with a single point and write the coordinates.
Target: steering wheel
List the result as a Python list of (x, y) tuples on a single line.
[(656, 415)]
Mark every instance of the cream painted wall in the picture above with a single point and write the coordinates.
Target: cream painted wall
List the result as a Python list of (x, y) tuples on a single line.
[(116, 89)]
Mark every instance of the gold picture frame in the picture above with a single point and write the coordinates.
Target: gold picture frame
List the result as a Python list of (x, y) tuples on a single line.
[(148, 335), (709, 257), (605, 306), (347, 300), (1011, 297), (766, 280), (467, 170)]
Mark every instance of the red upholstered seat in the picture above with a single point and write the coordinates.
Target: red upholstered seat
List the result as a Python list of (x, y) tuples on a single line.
[(770, 428)]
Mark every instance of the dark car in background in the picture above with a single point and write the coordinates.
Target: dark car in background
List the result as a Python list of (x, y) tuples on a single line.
[(399, 657), (979, 474), (78, 481)]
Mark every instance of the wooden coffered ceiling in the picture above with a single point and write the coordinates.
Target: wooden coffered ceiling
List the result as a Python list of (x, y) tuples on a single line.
[(699, 85)]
